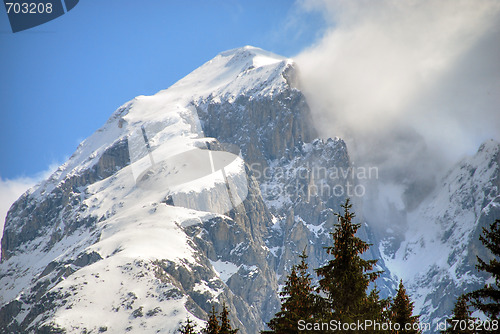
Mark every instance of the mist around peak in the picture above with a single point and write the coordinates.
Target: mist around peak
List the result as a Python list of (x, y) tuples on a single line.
[(412, 87)]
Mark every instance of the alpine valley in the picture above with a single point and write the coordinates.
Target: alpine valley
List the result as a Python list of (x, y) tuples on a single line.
[(206, 193)]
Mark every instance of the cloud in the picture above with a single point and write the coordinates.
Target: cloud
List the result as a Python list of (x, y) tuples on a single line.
[(412, 86), (12, 189)]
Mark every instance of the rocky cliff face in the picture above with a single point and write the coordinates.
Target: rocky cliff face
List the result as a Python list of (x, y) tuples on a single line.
[(303, 179)]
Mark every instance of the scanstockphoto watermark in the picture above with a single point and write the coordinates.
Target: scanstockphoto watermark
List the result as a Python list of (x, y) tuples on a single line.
[(361, 325), (309, 180)]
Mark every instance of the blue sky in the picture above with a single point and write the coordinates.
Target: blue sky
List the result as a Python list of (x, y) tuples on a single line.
[(61, 81)]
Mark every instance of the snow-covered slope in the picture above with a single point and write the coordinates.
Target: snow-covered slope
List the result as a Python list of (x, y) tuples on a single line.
[(438, 255)]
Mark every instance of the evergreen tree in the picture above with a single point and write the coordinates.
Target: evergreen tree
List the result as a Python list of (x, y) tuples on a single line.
[(225, 325), (188, 328), (376, 309), (212, 324), (297, 300), (459, 322), (346, 278), (487, 299), (401, 313)]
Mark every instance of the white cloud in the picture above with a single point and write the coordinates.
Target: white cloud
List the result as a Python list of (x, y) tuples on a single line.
[(411, 85), (12, 189)]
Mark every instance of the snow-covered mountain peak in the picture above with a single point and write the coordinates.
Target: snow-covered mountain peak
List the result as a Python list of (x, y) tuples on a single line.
[(250, 54), (246, 71), (242, 71)]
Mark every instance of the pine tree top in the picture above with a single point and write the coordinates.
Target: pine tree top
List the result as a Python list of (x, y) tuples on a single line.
[(212, 323), (487, 299), (461, 313), (401, 311), (188, 327), (297, 298), (345, 278), (225, 325)]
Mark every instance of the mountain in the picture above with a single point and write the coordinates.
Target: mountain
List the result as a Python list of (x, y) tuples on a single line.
[(438, 254), (207, 192)]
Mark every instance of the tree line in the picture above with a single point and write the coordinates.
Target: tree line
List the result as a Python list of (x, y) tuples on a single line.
[(343, 300), (346, 298), (218, 323)]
